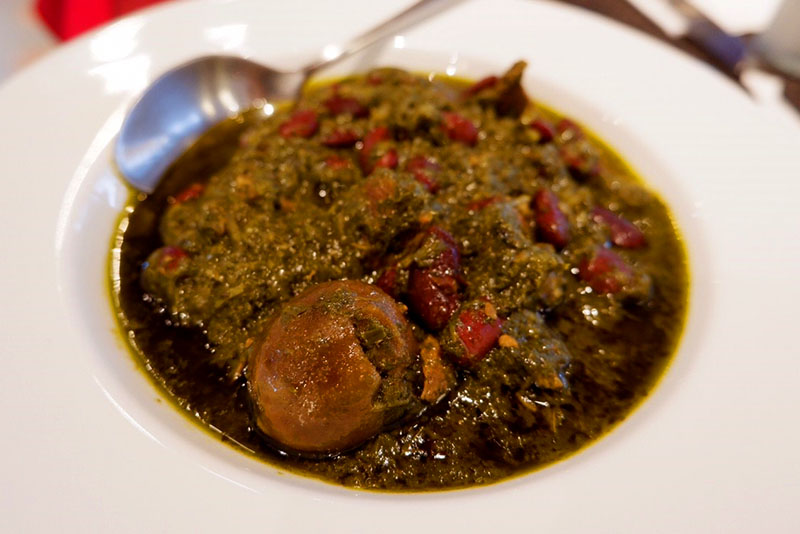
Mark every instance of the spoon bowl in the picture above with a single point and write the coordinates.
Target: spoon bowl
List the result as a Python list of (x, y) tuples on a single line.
[(189, 99)]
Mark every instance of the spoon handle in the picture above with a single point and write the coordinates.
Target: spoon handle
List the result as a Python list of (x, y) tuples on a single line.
[(407, 18)]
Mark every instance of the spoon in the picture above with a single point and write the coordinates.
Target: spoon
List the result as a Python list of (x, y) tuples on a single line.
[(187, 100)]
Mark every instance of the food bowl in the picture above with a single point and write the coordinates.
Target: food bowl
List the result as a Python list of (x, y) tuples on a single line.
[(102, 195), (95, 439)]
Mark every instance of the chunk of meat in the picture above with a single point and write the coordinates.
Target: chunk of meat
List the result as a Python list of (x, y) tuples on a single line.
[(329, 370), (511, 97), (439, 378), (504, 94)]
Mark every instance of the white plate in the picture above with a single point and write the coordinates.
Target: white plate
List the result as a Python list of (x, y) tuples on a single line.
[(88, 447)]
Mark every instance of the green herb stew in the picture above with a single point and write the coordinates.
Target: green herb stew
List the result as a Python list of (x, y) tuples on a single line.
[(403, 282)]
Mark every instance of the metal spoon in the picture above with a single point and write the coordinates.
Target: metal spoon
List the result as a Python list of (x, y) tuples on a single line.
[(187, 100)]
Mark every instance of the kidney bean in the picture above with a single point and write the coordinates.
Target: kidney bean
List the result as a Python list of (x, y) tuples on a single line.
[(545, 130), (449, 258), (423, 170), (569, 130), (433, 289), (337, 162), (481, 203), (387, 281), (366, 154), (580, 163), (338, 105), (478, 333), (480, 85), (606, 272), (623, 232), (374, 78), (459, 128), (433, 298), (388, 159), (167, 260), (340, 139), (190, 193), (552, 225), (381, 133), (300, 124)]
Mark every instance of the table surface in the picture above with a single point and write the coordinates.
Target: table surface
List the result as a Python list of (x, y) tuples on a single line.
[(623, 12)]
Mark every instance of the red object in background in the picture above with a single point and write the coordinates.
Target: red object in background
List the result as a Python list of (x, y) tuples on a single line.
[(68, 18)]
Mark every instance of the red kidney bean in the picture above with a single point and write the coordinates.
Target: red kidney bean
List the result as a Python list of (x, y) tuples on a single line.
[(338, 105), (433, 298), (423, 170), (387, 281), (381, 133), (459, 128), (567, 128), (545, 130), (300, 124), (190, 193), (478, 332), (552, 225), (481, 203), (167, 259), (580, 164), (449, 258), (480, 85), (371, 140), (606, 272), (374, 78), (337, 162), (433, 289), (623, 232), (340, 139), (387, 160)]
